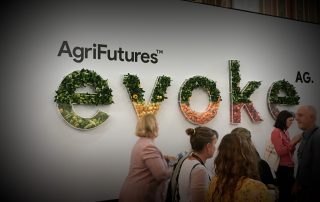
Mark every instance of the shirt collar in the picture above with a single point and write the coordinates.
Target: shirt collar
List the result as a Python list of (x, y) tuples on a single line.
[(306, 134)]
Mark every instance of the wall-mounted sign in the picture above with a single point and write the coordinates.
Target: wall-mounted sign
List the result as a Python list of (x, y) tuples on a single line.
[(66, 97)]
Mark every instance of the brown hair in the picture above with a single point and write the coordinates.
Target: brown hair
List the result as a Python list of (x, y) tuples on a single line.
[(236, 160), (147, 126), (242, 132), (200, 136)]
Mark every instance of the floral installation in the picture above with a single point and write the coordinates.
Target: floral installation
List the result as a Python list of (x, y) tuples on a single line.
[(78, 122), (66, 97), (185, 94), (273, 99), (241, 98), (136, 93)]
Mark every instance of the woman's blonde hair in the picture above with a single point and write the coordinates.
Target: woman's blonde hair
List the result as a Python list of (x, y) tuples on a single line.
[(236, 160), (147, 126)]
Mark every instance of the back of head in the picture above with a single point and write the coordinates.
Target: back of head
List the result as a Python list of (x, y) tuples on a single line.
[(200, 136), (242, 132), (147, 126), (310, 110), (237, 153), (236, 160), (306, 117), (245, 135)]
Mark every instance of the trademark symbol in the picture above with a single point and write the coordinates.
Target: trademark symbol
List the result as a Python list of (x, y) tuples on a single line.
[(159, 51)]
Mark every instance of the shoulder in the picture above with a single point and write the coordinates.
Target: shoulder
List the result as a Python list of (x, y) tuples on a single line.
[(276, 131), (263, 164), (199, 170), (148, 149), (253, 190), (276, 134), (192, 165), (213, 184), (253, 184), (316, 136), (317, 132), (145, 143)]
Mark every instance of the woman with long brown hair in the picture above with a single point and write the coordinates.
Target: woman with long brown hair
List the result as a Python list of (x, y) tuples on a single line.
[(237, 174)]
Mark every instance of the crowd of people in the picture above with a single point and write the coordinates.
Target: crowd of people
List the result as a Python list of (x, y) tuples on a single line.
[(239, 172)]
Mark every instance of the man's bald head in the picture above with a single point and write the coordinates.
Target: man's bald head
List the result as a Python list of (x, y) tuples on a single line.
[(306, 117)]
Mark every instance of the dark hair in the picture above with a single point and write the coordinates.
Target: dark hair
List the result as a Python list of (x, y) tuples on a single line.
[(200, 136), (281, 120)]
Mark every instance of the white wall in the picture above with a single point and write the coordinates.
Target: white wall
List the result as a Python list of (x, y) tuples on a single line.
[(47, 160)]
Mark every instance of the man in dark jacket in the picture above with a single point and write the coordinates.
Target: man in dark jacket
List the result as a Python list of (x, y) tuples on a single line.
[(307, 185)]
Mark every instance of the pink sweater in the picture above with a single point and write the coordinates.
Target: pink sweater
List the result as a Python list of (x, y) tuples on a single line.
[(285, 150), (148, 173)]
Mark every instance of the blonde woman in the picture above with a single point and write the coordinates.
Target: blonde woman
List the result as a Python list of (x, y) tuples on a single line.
[(237, 175), (148, 171)]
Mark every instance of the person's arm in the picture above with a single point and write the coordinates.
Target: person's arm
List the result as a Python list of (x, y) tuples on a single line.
[(277, 142), (315, 168), (156, 163), (171, 160), (199, 184), (158, 169), (296, 139)]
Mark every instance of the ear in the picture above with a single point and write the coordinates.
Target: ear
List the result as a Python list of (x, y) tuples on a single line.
[(208, 146)]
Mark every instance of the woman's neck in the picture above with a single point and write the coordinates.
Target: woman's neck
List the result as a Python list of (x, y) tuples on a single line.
[(202, 156)]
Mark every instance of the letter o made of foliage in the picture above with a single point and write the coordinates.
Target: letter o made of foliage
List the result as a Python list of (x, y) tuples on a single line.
[(185, 93)]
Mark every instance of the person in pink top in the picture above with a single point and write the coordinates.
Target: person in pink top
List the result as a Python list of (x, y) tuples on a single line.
[(285, 148), (148, 171)]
